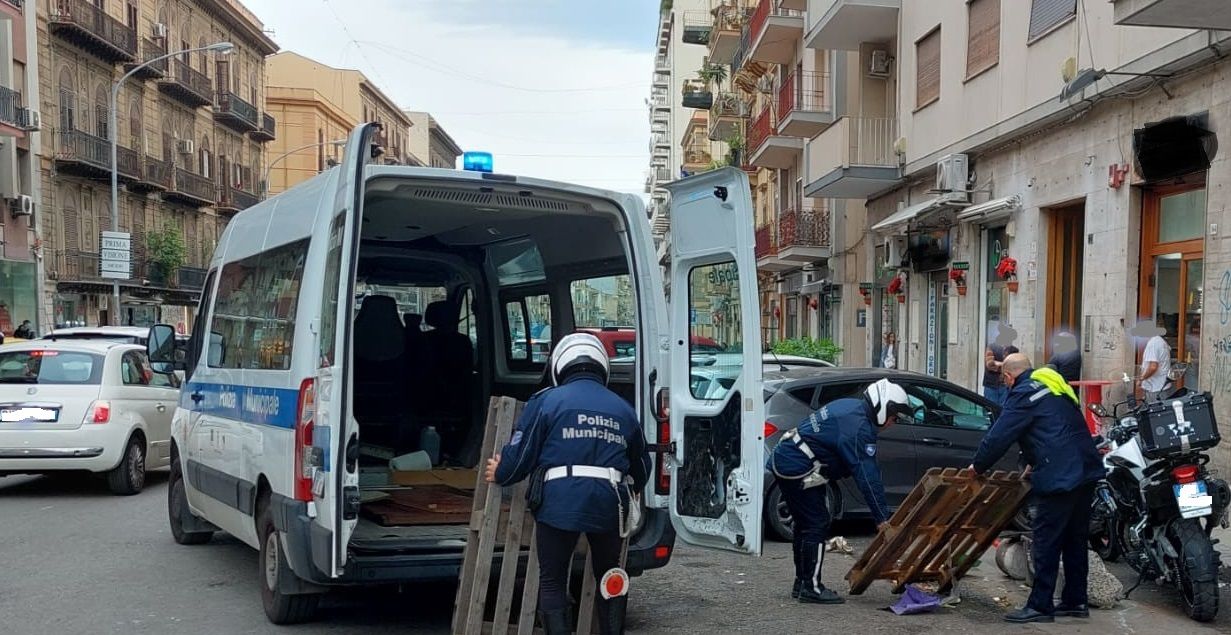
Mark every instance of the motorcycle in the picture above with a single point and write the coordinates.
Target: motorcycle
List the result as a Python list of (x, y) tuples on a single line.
[(1156, 508)]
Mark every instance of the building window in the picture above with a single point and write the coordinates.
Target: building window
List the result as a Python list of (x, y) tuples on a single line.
[(927, 69), (982, 36), (1045, 15)]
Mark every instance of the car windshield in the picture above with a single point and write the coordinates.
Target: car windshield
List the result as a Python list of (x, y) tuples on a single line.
[(50, 367)]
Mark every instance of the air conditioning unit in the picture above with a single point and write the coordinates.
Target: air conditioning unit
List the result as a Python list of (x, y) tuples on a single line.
[(184, 146), (895, 252), (879, 66), (160, 30), (35, 122), (21, 206), (952, 172), (765, 84)]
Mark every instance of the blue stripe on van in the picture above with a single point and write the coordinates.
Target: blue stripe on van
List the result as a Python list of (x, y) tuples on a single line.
[(251, 404)]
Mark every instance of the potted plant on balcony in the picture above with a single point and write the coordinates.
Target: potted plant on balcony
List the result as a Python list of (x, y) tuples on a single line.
[(735, 143), (1007, 270), (697, 94), (958, 277), (167, 254)]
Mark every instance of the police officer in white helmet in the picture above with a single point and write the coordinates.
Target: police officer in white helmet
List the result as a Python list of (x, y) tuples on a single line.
[(583, 448), (835, 442)]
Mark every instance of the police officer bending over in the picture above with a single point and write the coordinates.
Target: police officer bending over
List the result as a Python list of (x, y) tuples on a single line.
[(1042, 414), (583, 448), (835, 442)]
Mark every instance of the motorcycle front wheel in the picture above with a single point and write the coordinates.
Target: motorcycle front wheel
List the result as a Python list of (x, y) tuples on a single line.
[(1198, 570)]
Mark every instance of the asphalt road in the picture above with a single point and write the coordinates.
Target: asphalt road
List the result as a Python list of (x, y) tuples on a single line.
[(78, 560)]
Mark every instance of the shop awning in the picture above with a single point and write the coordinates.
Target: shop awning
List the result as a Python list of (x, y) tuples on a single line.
[(994, 209), (902, 217)]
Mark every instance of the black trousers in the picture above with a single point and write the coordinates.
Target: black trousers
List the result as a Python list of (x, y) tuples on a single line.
[(1061, 530), (810, 520), (556, 557)]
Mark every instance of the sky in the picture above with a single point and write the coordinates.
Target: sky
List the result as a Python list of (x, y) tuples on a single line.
[(552, 88)]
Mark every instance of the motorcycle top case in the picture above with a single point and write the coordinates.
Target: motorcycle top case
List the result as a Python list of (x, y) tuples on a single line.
[(1178, 426)]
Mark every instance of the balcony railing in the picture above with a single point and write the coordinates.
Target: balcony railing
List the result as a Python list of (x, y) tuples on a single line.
[(15, 3), (90, 27), (235, 199), (74, 265), (193, 188), (156, 175), (11, 110), (190, 277), (760, 130), (805, 227), (766, 242), (151, 50), (90, 155), (698, 154), (697, 27), (268, 129), (804, 92), (766, 8), (188, 85), (233, 111)]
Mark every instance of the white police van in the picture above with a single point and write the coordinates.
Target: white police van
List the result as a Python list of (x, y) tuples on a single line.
[(308, 369)]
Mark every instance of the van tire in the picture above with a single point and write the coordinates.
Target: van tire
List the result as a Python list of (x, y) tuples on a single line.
[(279, 607), (128, 477), (177, 504)]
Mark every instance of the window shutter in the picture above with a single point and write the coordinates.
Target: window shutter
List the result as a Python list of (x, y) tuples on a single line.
[(927, 69), (983, 36), (1045, 14)]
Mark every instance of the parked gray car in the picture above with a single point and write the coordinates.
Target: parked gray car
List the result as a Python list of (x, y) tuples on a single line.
[(948, 424)]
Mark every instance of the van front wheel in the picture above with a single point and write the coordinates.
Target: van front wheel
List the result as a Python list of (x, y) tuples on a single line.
[(280, 608)]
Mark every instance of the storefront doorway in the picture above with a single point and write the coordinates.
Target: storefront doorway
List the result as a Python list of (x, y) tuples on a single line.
[(1065, 254), (1173, 269)]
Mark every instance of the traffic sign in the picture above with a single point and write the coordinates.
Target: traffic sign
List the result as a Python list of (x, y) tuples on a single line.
[(115, 255)]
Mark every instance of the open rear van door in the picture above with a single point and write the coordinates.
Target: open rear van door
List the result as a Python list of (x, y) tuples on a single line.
[(717, 413), (335, 487)]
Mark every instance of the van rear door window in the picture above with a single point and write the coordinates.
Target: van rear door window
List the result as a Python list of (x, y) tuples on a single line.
[(254, 316), (516, 262)]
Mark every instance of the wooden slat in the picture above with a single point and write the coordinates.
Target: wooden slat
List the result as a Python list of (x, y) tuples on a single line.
[(505, 417), (462, 602)]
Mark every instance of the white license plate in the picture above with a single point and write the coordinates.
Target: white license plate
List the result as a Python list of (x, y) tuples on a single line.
[(1193, 499), (17, 415)]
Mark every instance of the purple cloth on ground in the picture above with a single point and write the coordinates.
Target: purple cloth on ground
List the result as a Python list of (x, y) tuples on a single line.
[(915, 601)]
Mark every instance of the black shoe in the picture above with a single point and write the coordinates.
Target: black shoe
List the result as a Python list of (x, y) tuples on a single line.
[(1077, 610), (1026, 616), (819, 596), (557, 622), (799, 584)]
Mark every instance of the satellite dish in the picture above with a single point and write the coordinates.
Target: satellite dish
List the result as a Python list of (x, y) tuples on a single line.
[(1068, 69)]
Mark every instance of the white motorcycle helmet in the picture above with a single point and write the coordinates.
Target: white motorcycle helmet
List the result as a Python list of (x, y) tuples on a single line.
[(577, 350), (888, 400)]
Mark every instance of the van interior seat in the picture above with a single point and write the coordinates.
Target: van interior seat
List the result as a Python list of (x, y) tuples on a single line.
[(380, 366), (450, 356)]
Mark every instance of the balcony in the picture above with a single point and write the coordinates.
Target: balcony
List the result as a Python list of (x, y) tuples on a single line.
[(235, 113), (727, 116), (662, 80), (83, 154), (697, 27), (776, 33), (14, 118), (190, 278), (89, 27), (728, 23), (745, 70), (150, 50), (766, 250), (155, 177), (192, 189), (697, 156), (232, 200), (188, 85), (842, 25), (767, 148), (803, 104), (804, 235), (697, 95), (77, 266), (1180, 14), (268, 129), (853, 158)]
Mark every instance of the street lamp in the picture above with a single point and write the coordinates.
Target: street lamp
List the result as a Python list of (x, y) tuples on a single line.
[(270, 166), (217, 47)]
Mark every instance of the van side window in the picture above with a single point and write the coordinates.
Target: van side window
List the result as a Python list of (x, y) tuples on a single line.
[(197, 339), (254, 316), (528, 323)]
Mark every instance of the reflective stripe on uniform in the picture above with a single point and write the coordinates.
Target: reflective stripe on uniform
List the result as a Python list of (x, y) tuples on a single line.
[(583, 471), (1040, 394)]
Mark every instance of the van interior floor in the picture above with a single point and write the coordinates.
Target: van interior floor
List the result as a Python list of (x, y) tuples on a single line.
[(369, 531)]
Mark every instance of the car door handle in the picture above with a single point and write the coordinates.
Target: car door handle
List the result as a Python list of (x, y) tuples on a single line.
[(940, 443)]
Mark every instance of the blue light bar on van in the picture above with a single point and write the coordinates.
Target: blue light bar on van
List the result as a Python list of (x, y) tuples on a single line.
[(477, 161)]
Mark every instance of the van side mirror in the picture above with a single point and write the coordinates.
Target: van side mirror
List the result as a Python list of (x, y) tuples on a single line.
[(160, 347)]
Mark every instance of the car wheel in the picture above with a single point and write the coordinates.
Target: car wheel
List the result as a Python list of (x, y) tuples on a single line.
[(778, 516), (128, 477), (279, 607), (177, 507)]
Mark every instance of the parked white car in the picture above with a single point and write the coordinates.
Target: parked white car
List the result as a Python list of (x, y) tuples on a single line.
[(87, 405)]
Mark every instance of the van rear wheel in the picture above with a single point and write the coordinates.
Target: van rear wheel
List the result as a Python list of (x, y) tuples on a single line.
[(280, 608)]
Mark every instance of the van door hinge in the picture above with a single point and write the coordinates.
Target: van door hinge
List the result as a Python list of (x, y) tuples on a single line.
[(350, 502)]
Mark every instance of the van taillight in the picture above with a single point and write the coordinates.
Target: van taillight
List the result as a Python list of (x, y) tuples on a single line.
[(305, 463), (663, 484)]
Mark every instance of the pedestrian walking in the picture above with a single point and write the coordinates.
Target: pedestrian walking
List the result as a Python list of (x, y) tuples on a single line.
[(889, 357), (1155, 360), (583, 449), (835, 442), (1043, 416), (1000, 344)]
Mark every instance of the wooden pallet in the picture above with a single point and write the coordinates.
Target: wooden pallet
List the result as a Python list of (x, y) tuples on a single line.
[(942, 528), (501, 523)]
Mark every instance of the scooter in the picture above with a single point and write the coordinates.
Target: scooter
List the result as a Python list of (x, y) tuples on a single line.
[(1158, 514)]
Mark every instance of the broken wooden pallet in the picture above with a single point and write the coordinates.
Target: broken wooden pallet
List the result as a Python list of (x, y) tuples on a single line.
[(500, 523), (947, 522)]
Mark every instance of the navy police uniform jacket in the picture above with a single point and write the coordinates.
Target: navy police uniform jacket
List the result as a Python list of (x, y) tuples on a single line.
[(580, 422), (1052, 434), (842, 435)]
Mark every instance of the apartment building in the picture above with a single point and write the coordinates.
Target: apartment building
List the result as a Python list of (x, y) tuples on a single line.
[(429, 143), (310, 135), (190, 132), (19, 155), (348, 90)]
